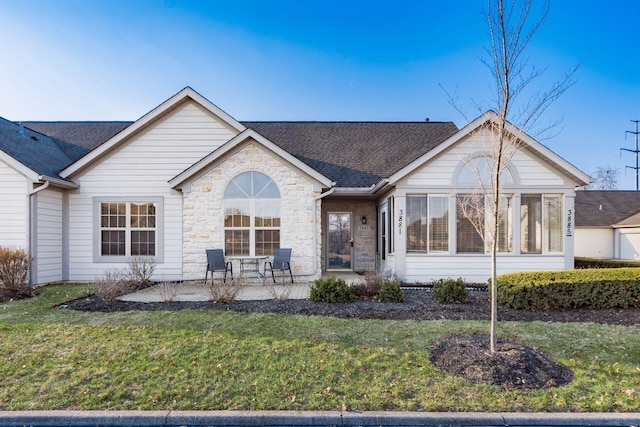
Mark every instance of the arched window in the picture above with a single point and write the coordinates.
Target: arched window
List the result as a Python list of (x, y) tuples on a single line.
[(251, 215)]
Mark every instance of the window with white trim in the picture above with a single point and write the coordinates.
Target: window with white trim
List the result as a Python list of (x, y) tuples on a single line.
[(128, 229), (251, 215), (428, 223), (473, 219), (541, 223)]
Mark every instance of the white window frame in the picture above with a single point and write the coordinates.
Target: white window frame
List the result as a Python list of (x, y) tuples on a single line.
[(544, 224), (97, 229), (252, 227), (428, 197)]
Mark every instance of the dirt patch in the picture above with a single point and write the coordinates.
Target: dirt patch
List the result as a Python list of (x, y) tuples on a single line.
[(512, 366)]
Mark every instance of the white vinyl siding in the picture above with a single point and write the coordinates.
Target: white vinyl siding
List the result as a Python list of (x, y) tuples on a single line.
[(140, 168), (474, 268), (14, 199), (48, 236), (530, 175), (439, 172)]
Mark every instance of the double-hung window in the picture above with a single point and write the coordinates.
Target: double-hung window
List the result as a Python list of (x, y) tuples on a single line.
[(428, 223), (127, 228)]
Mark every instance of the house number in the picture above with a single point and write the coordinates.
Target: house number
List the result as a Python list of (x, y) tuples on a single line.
[(400, 217), (569, 222)]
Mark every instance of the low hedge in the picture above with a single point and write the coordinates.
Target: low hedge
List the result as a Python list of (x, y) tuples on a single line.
[(603, 263), (603, 288)]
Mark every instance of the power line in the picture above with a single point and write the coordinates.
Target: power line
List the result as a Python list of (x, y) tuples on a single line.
[(637, 167)]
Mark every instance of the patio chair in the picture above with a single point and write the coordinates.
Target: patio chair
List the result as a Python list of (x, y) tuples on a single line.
[(216, 263), (281, 262)]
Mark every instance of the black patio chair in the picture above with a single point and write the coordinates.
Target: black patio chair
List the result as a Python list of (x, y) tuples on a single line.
[(216, 263), (281, 262)]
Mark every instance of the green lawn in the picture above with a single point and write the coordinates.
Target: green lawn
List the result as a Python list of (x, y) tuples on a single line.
[(60, 359)]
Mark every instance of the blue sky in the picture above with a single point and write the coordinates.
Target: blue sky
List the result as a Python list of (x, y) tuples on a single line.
[(329, 60)]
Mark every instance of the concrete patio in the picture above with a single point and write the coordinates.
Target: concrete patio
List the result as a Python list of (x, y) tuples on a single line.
[(256, 289)]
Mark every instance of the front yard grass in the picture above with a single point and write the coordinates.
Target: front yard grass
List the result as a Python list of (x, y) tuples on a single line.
[(60, 359)]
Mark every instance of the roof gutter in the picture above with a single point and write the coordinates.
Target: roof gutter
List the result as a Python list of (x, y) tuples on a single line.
[(353, 191), (57, 182), (380, 185)]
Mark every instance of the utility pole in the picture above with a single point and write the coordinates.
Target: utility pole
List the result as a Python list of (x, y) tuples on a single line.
[(636, 168)]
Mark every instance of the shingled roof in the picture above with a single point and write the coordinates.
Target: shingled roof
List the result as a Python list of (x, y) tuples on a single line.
[(84, 134), (42, 154), (356, 154), (353, 154), (606, 208)]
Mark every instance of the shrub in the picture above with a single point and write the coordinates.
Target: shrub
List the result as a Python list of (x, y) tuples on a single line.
[(278, 292), (603, 288), (390, 291), (14, 267), (141, 270), (450, 291), (370, 288), (225, 291), (113, 284), (332, 290), (168, 291), (580, 263)]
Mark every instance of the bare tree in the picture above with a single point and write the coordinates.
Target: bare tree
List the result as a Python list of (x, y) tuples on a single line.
[(516, 109), (605, 178)]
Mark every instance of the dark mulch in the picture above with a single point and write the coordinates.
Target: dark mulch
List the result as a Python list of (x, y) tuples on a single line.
[(8, 295), (418, 305), (512, 367)]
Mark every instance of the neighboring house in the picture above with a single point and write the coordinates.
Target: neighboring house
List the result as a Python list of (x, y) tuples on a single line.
[(608, 224), (343, 195)]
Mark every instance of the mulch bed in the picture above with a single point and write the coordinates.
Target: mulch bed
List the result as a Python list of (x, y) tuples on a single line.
[(418, 305)]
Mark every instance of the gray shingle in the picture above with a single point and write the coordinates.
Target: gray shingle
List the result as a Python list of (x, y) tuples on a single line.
[(84, 134), (605, 208), (356, 154), (40, 153), (353, 154)]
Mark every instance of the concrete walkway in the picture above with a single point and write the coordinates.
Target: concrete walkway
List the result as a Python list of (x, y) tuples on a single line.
[(255, 290)]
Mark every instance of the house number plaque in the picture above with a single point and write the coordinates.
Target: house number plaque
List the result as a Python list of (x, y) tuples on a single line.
[(569, 222)]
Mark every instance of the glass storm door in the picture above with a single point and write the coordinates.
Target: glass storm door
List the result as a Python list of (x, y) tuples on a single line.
[(340, 242)]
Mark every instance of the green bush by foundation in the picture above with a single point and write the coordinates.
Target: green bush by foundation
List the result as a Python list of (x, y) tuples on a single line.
[(603, 288)]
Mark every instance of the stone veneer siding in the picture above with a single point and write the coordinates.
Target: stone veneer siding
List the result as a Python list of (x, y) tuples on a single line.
[(203, 215)]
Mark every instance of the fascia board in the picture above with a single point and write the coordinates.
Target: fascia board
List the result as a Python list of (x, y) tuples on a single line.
[(59, 182), (19, 167), (197, 167), (179, 98)]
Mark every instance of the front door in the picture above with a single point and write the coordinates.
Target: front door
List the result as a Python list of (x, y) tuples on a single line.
[(340, 243)]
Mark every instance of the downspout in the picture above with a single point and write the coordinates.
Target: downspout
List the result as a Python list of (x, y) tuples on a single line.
[(315, 231), (32, 224)]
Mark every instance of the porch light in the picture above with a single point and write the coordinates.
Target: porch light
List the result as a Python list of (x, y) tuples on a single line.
[(364, 220)]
